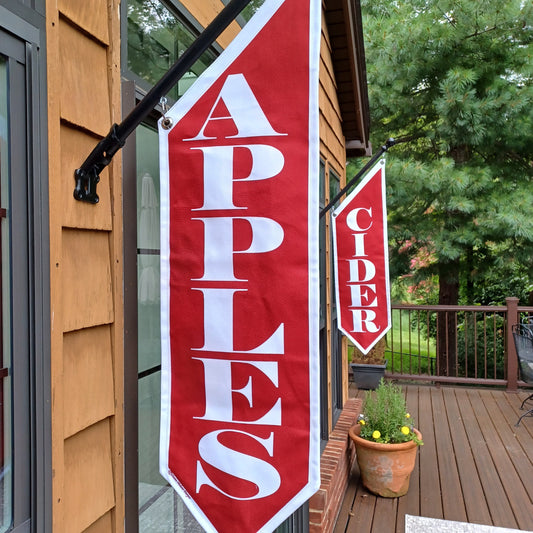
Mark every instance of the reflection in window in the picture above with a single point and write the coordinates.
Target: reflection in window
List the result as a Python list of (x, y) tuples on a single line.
[(249, 10), (5, 343), (160, 508), (323, 335), (156, 39), (336, 335)]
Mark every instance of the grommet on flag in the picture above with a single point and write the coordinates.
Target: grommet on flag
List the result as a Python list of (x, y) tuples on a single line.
[(166, 123)]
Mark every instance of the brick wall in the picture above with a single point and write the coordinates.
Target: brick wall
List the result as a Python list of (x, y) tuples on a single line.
[(335, 467)]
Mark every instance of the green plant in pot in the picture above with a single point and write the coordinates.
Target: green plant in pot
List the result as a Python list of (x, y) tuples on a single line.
[(385, 441), (368, 369)]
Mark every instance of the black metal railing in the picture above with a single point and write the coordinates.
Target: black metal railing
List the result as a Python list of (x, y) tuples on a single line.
[(455, 344)]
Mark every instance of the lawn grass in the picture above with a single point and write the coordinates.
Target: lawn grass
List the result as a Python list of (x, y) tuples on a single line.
[(408, 350)]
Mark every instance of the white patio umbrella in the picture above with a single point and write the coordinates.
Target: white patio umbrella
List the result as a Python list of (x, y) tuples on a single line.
[(148, 239)]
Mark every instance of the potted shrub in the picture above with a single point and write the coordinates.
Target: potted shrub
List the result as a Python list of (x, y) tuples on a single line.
[(385, 441), (369, 369)]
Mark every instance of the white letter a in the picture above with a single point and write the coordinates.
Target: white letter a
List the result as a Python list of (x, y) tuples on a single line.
[(244, 110)]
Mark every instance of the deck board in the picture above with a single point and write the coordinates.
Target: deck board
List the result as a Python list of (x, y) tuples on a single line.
[(430, 499), (453, 505), (476, 507), (410, 503), (500, 445), (499, 507), (475, 465)]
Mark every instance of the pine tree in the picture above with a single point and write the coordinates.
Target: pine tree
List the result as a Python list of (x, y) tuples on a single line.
[(453, 79)]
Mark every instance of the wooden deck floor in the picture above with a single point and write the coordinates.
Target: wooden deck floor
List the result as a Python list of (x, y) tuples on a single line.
[(475, 465)]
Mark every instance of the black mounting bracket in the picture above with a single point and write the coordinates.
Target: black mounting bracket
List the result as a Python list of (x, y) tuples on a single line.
[(88, 175), (390, 142)]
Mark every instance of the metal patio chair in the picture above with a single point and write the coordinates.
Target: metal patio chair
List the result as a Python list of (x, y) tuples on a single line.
[(523, 340)]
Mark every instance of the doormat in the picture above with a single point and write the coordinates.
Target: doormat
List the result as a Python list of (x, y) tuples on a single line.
[(422, 524)]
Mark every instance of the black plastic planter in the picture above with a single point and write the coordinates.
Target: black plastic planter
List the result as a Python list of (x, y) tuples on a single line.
[(367, 376)]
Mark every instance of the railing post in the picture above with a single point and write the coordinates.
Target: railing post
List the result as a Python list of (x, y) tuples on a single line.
[(512, 362)]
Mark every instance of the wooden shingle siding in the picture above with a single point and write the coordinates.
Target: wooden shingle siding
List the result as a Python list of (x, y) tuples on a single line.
[(91, 17), (75, 145), (83, 77), (87, 288), (331, 135), (333, 152), (88, 375), (84, 88), (204, 12), (89, 488), (102, 525)]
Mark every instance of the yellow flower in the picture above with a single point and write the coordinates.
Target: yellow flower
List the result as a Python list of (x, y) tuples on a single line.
[(362, 422), (407, 415), (376, 435), (405, 430)]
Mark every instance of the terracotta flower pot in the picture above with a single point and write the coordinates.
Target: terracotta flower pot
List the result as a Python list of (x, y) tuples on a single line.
[(385, 468)]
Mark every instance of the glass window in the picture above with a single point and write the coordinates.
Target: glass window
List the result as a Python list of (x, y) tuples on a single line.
[(248, 11), (336, 335), (5, 327), (25, 446), (156, 39), (331, 180), (160, 508), (323, 336)]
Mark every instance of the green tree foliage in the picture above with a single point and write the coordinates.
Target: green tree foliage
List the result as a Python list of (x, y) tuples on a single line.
[(453, 79), (251, 8)]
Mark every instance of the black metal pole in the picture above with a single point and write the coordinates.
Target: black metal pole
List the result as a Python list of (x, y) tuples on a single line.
[(87, 176), (375, 157)]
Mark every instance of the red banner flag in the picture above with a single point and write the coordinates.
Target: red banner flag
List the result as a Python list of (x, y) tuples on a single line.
[(239, 277), (362, 261)]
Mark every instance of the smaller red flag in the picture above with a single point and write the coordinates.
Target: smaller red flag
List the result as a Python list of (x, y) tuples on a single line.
[(362, 262)]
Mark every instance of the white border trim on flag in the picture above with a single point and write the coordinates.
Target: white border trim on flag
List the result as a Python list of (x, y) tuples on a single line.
[(176, 113)]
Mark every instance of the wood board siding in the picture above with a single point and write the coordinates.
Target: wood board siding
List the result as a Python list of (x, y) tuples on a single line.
[(74, 146), (331, 135), (333, 152), (346, 43), (83, 73), (205, 11), (87, 368)]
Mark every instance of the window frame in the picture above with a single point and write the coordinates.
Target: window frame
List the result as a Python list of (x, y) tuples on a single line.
[(332, 342), (133, 89), (176, 7), (23, 28), (323, 323), (336, 335)]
